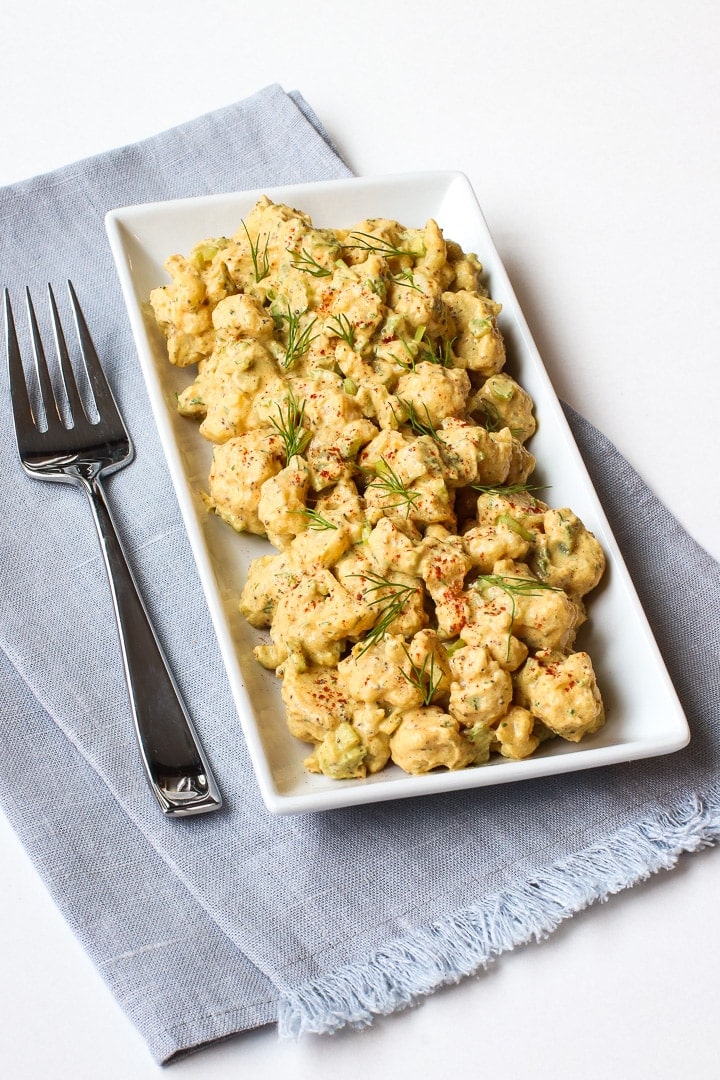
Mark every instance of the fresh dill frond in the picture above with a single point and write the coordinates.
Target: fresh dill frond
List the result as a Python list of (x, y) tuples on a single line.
[(423, 676), (260, 258), (305, 262), (391, 598), (289, 427), (315, 520), (493, 419), (368, 242), (406, 278), (412, 348), (298, 340), (419, 426), (343, 328), (513, 585), (388, 481), (439, 352)]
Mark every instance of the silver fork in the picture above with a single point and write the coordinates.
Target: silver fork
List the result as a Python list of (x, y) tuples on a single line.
[(82, 454)]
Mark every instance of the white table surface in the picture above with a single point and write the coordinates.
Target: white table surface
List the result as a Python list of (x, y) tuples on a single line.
[(590, 132)]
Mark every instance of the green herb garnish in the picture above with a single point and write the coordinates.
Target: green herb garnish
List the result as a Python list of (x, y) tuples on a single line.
[(343, 328), (419, 426), (391, 597), (368, 242), (290, 428), (298, 340), (423, 676), (407, 279), (305, 262), (260, 259), (513, 586), (388, 481), (315, 520)]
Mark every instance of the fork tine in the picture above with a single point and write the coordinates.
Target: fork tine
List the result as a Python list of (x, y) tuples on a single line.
[(77, 409), (102, 393), (22, 409), (47, 394)]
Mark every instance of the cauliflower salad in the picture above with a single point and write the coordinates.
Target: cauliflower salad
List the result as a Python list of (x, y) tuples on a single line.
[(421, 602)]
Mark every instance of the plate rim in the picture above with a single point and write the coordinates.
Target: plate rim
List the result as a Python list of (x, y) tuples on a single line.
[(119, 224)]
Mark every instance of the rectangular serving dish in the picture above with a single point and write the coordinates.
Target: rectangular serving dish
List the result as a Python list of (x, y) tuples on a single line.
[(644, 716)]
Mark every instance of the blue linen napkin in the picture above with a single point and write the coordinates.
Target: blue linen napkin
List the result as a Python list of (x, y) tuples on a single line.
[(209, 926)]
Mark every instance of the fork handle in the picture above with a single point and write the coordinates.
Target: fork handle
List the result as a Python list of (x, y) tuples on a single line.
[(177, 769)]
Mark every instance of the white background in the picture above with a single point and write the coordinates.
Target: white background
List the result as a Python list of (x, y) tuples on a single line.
[(590, 133)]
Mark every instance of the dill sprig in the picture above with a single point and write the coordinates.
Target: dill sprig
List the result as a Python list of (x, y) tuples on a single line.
[(260, 258), (298, 340), (315, 519), (406, 278), (493, 420), (411, 347), (423, 676), (343, 328), (391, 597), (290, 428), (305, 262), (438, 353), (514, 585), (388, 481), (368, 242), (419, 426)]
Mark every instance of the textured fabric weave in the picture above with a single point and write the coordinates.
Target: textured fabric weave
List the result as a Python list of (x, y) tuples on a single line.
[(213, 925)]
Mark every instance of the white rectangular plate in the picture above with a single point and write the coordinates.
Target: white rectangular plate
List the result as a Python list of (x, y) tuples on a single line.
[(644, 717)]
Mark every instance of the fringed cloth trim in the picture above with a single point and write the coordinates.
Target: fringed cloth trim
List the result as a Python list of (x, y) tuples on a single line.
[(450, 949)]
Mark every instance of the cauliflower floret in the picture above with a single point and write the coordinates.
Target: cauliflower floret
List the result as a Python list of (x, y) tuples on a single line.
[(315, 619), (282, 502), (239, 469), (314, 700), (543, 617), (268, 577), (375, 726), (504, 403), (341, 506), (520, 510), (487, 544), (381, 673), (393, 600), (315, 548), (367, 386), (478, 344), (430, 665), (441, 391), (334, 448), (392, 549), (183, 314), (567, 555), (443, 565), (490, 625), (428, 738), (408, 485), (562, 692), (417, 296), (241, 316), (229, 385), (481, 690), (514, 734)]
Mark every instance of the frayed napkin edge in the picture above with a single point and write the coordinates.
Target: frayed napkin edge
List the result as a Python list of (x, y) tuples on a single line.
[(416, 965)]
